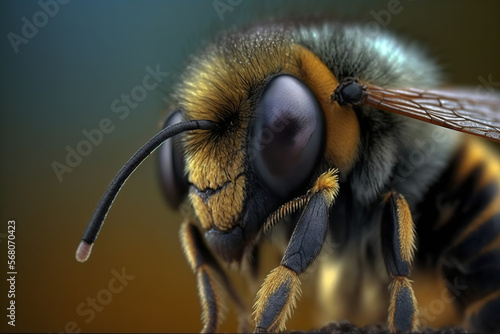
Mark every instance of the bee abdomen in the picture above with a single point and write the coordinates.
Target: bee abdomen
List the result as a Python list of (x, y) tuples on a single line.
[(459, 230), (459, 212)]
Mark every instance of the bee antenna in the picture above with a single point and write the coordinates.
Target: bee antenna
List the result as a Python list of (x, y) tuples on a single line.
[(102, 208)]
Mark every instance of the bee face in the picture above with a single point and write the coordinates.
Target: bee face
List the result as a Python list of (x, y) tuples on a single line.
[(270, 137), (222, 87)]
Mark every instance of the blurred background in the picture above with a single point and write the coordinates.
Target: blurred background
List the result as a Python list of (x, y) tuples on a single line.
[(63, 75)]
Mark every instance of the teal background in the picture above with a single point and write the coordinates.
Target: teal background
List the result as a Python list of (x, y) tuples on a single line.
[(65, 79)]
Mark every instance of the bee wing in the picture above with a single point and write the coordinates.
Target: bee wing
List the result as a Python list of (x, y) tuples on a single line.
[(459, 109)]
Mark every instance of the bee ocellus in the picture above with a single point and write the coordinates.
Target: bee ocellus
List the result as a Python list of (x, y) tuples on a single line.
[(333, 137)]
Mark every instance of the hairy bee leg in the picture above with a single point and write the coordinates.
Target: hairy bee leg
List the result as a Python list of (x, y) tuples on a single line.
[(398, 245), (277, 297), (213, 283)]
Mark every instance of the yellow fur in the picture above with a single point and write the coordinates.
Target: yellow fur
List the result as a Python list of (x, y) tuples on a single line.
[(276, 278), (327, 183), (406, 229)]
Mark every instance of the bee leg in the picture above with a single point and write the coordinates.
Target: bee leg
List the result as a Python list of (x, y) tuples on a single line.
[(277, 297), (398, 246), (213, 283)]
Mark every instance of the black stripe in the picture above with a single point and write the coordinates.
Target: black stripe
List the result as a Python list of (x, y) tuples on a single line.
[(479, 278), (468, 204), (428, 212), (477, 239)]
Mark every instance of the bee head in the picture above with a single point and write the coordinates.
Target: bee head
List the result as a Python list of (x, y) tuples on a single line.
[(260, 90), (254, 120)]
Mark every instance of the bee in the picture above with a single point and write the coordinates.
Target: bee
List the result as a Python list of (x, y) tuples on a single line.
[(325, 134)]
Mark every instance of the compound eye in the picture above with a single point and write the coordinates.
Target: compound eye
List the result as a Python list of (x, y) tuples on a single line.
[(287, 136), (173, 181)]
